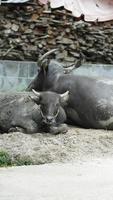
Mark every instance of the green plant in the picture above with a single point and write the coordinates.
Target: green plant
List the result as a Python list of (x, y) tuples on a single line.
[(5, 159), (22, 161)]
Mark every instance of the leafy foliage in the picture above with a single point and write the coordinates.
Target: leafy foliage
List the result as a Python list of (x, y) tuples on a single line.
[(5, 159), (22, 161)]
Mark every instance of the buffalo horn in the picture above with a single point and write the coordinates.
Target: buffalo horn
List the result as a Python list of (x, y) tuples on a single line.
[(64, 94), (44, 56), (36, 93)]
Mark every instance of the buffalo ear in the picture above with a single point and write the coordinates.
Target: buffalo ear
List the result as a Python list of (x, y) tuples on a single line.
[(64, 97), (44, 66), (37, 96)]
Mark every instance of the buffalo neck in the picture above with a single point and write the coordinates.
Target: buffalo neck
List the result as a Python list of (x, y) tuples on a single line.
[(55, 70)]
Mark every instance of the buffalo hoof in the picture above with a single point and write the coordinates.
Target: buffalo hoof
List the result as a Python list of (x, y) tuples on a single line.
[(62, 128), (16, 129)]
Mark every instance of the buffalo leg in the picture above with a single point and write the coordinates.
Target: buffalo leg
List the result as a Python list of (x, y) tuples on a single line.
[(26, 126), (62, 128), (16, 129)]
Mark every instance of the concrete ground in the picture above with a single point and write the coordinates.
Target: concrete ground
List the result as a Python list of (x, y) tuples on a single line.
[(83, 180)]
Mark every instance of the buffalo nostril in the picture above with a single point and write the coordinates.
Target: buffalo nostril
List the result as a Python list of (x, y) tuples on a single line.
[(49, 119)]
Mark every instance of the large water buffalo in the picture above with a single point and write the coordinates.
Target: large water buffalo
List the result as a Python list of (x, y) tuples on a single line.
[(90, 102), (32, 112)]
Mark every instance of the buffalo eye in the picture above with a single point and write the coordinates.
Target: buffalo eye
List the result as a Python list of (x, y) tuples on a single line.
[(57, 105), (42, 105)]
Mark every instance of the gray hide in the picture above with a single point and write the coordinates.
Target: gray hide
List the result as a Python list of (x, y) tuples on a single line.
[(23, 112), (90, 102)]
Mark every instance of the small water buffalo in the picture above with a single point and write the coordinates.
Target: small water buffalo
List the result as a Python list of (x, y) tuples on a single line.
[(90, 102), (32, 112)]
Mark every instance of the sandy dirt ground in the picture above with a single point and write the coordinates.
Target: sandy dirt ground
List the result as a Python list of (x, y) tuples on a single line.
[(76, 144)]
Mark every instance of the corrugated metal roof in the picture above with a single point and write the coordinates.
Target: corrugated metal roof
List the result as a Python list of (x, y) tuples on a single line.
[(13, 1), (93, 10)]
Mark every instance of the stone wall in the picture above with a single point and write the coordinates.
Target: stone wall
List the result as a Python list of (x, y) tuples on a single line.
[(29, 30)]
